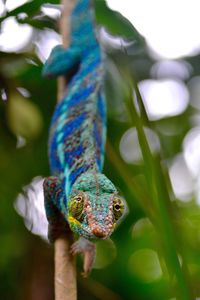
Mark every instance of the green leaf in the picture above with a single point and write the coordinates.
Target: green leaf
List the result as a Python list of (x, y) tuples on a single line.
[(30, 8), (115, 23), (24, 118), (42, 23)]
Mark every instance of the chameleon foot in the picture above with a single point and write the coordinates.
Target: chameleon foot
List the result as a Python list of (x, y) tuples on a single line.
[(88, 249)]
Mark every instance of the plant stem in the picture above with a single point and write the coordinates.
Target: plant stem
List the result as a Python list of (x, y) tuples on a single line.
[(161, 203), (138, 193)]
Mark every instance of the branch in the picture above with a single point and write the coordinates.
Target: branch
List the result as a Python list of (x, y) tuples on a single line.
[(65, 32), (65, 271)]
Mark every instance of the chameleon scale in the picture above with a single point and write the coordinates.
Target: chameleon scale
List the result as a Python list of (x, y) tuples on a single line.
[(78, 192)]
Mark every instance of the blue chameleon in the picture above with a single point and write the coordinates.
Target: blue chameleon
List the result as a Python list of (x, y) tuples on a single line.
[(78, 195)]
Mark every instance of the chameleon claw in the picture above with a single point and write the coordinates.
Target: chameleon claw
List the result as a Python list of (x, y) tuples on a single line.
[(88, 249), (75, 248)]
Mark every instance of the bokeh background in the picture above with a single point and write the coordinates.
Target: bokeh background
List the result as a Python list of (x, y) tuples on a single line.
[(153, 151)]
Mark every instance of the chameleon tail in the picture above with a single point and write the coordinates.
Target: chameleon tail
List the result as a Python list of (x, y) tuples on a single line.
[(61, 61), (82, 24)]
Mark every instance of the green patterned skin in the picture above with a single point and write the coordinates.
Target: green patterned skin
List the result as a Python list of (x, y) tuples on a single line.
[(96, 218)]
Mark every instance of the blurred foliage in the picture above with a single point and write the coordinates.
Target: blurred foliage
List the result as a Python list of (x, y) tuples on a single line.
[(155, 254)]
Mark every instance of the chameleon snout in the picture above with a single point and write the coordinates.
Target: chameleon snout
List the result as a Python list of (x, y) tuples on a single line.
[(99, 232)]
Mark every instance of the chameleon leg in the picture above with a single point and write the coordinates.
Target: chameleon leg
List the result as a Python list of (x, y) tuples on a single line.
[(61, 61), (88, 249), (53, 195)]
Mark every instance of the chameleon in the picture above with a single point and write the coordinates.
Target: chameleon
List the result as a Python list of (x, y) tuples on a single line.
[(78, 195)]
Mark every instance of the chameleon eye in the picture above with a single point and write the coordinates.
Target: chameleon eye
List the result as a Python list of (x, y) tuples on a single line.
[(118, 208), (76, 206), (78, 198)]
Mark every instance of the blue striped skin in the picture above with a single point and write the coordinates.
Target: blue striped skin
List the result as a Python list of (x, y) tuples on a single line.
[(77, 135)]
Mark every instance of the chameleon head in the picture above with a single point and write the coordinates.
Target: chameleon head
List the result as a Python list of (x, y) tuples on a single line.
[(94, 208)]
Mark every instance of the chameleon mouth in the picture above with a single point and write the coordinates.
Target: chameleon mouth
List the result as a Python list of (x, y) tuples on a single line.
[(95, 231), (99, 232), (79, 228)]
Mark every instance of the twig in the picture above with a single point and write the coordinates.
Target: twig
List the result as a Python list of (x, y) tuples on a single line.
[(65, 32), (65, 271)]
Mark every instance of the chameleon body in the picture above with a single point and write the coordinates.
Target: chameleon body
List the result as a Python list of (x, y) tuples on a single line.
[(77, 191)]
